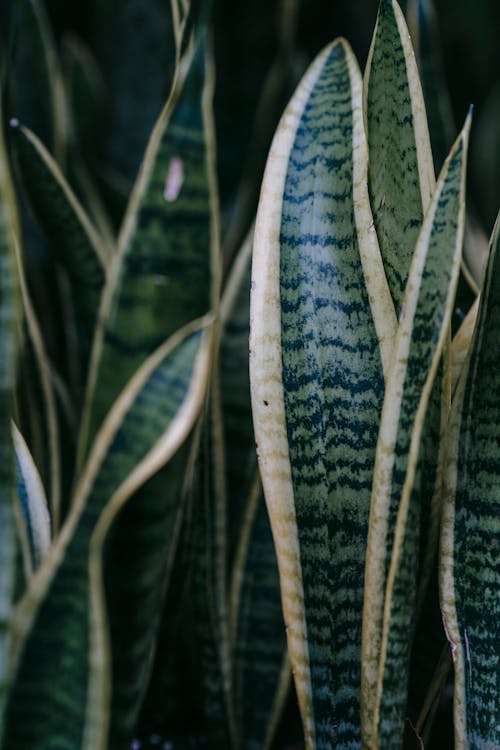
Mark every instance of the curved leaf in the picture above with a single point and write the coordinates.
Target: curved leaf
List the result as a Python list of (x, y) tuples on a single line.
[(401, 174), (44, 373), (65, 668), (73, 239), (390, 578), (33, 501), (323, 325), (470, 573)]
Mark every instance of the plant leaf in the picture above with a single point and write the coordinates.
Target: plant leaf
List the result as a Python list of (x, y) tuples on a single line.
[(323, 325), (47, 395), (261, 670), (73, 239), (128, 31), (390, 580), (166, 270), (469, 574), (401, 174), (261, 664), (423, 26), (33, 500), (461, 343), (66, 669)]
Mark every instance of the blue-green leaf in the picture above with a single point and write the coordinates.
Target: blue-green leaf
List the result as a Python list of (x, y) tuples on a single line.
[(401, 173), (61, 657), (166, 270), (9, 233), (470, 575), (392, 552), (323, 326)]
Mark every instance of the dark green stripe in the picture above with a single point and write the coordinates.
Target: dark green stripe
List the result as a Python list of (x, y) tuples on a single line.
[(427, 325), (393, 182)]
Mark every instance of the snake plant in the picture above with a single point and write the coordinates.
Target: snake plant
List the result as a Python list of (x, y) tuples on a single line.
[(191, 548)]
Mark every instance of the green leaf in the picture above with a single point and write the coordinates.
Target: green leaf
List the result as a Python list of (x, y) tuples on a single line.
[(461, 343), (9, 231), (469, 543), (73, 239), (166, 270), (392, 552), (261, 665), (323, 326), (33, 501), (401, 173), (239, 442), (44, 373), (86, 100), (66, 669), (261, 670)]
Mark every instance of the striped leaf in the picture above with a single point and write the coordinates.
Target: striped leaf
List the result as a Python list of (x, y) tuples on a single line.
[(470, 574), (73, 239), (62, 679), (9, 231), (166, 270), (322, 332), (392, 552), (401, 173)]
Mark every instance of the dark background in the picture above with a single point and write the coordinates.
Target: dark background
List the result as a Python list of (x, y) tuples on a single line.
[(246, 45)]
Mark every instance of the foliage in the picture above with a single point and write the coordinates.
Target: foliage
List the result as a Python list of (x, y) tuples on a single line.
[(160, 575)]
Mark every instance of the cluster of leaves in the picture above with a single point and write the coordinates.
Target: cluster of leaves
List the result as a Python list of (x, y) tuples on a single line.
[(139, 580), (140, 585), (376, 433)]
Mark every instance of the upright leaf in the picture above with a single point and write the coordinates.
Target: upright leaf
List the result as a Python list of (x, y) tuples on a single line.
[(401, 173), (33, 502), (392, 552), (126, 32), (470, 573), (9, 228), (166, 270), (323, 325), (73, 238)]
